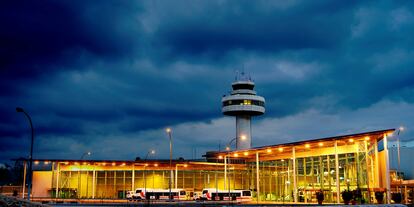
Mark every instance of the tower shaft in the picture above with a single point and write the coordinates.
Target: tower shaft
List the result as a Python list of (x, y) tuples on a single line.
[(243, 132)]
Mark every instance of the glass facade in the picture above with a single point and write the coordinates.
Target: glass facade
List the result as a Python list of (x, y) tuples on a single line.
[(281, 173)]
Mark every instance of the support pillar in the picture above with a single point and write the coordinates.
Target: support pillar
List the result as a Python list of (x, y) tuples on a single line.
[(257, 177), (57, 180), (225, 172), (133, 177), (377, 182), (176, 176), (93, 182), (295, 187), (367, 168), (387, 170), (338, 190)]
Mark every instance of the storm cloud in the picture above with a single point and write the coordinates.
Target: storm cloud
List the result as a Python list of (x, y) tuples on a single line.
[(110, 76)]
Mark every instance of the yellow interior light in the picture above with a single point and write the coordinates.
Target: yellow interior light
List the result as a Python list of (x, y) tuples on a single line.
[(280, 149), (36, 162), (320, 144), (366, 138), (220, 157), (156, 165), (269, 150), (307, 145), (236, 155), (113, 164), (351, 140), (246, 153), (185, 165)]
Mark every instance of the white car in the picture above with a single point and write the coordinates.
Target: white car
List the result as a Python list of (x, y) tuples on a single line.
[(130, 195)]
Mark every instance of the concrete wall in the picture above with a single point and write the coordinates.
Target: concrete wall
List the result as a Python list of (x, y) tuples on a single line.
[(42, 183)]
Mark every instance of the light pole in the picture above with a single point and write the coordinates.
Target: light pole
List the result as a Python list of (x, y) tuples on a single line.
[(19, 109), (398, 153), (168, 130), (243, 137), (84, 154), (79, 172), (145, 171)]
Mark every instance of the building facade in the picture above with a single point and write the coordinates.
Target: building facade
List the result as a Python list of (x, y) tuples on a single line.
[(291, 172)]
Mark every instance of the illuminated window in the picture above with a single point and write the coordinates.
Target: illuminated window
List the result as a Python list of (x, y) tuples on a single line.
[(247, 102)]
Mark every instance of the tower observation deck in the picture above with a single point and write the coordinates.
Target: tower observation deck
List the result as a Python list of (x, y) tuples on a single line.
[(243, 103)]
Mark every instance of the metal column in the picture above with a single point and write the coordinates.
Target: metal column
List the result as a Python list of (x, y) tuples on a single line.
[(93, 182), (338, 190), (387, 170), (57, 180), (225, 171), (133, 177), (257, 177), (295, 187), (376, 165)]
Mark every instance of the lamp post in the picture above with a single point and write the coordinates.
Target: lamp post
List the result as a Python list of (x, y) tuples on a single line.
[(243, 137), (84, 154), (168, 130), (21, 110), (398, 153), (145, 170), (79, 172)]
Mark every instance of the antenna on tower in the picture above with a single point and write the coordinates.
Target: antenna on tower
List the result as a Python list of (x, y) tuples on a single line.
[(237, 76)]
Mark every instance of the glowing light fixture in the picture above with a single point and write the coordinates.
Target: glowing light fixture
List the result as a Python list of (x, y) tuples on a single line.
[(36, 162), (246, 153), (320, 144), (220, 157), (269, 150), (351, 140), (236, 155), (366, 138), (280, 149), (243, 137), (307, 145)]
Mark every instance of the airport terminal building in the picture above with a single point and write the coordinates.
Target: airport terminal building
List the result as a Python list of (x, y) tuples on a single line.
[(291, 172), (287, 172)]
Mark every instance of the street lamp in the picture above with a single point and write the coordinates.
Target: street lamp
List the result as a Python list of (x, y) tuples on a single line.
[(145, 169), (21, 110), (242, 137), (84, 154), (398, 153), (168, 130), (79, 172)]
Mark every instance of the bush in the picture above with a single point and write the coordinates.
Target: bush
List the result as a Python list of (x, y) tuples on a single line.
[(347, 196)]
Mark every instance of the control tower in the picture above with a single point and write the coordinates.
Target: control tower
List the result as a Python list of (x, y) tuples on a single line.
[(243, 103)]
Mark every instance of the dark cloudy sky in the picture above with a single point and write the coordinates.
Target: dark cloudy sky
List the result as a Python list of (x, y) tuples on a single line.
[(110, 76)]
